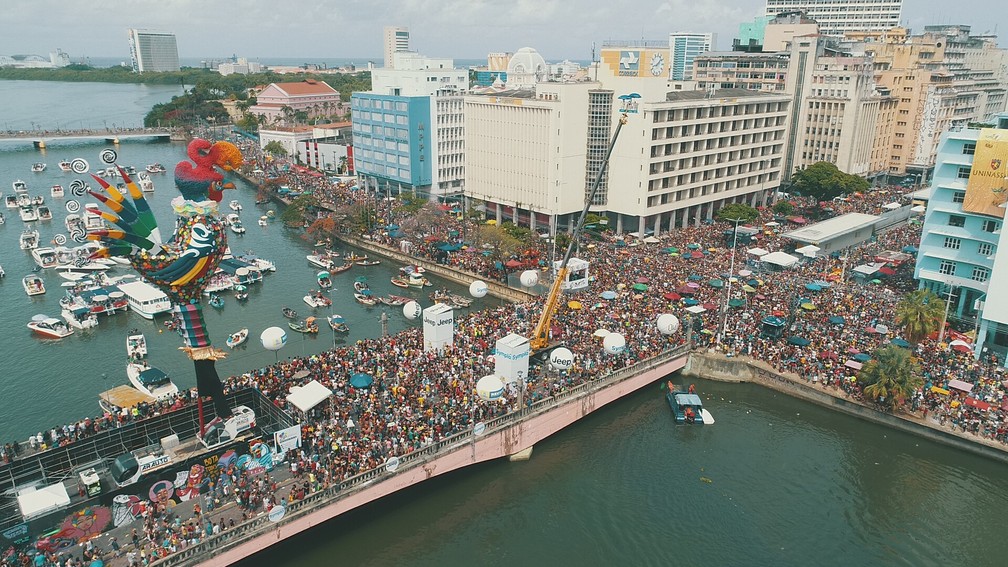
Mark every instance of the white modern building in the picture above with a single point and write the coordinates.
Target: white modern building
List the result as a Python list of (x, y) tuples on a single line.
[(152, 51), (240, 66), (836, 17), (396, 40), (683, 48)]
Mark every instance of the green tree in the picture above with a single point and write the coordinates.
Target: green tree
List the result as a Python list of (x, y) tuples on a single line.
[(920, 313), (784, 208), (300, 210), (824, 181), (734, 211), (891, 376), (275, 149)]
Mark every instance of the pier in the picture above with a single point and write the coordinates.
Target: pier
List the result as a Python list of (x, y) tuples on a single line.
[(39, 139)]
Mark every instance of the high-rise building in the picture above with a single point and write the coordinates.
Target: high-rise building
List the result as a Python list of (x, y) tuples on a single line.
[(835, 17), (396, 40), (958, 257), (683, 48), (152, 51)]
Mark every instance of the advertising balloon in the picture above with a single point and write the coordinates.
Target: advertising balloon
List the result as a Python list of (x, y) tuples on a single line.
[(561, 358), (614, 343), (412, 310), (668, 323), (490, 388), (273, 338), (529, 278), (478, 289)]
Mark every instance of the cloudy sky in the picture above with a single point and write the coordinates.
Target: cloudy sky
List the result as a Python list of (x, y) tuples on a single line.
[(464, 29)]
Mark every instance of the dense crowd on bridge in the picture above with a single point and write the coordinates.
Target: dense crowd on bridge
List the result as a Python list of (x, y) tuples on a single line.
[(421, 397)]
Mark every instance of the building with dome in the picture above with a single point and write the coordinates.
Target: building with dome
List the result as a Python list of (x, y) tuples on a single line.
[(526, 68)]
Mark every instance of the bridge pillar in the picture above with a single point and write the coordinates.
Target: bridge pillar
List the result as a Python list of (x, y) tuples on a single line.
[(523, 455)]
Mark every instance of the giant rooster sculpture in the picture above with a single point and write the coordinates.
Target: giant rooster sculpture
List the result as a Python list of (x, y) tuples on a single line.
[(182, 265)]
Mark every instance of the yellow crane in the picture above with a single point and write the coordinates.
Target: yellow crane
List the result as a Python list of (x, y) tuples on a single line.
[(540, 336)]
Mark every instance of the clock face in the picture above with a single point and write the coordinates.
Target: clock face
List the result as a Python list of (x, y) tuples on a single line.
[(657, 64)]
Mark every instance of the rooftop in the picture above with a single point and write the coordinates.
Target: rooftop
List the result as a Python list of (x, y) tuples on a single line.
[(675, 96), (831, 228)]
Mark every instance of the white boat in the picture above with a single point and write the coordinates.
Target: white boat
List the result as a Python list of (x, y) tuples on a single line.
[(80, 317), (145, 299), (237, 338), (2, 219), (151, 381), (155, 168), (36, 200), (136, 345), (220, 281), (29, 239), (325, 261), (65, 166), (33, 284), (235, 205), (28, 214), (38, 167), (2, 272), (316, 300), (56, 191), (236, 225), (74, 222), (43, 213), (145, 183), (19, 186), (11, 201), (45, 257), (263, 221), (92, 217), (50, 328), (261, 264)]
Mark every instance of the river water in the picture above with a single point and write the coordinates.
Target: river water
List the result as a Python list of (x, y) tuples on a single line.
[(789, 483)]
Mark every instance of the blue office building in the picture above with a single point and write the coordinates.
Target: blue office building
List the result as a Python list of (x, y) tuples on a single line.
[(392, 141), (958, 247), (484, 78)]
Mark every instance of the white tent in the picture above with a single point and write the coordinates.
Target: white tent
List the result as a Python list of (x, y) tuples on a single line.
[(891, 206), (651, 240), (308, 396), (38, 502), (809, 250), (758, 252), (918, 209), (696, 309), (869, 269), (782, 259)]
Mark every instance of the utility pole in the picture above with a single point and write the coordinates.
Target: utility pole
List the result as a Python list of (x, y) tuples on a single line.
[(731, 274), (948, 302)]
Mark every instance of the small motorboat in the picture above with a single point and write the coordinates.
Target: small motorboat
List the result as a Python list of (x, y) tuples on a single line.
[(400, 282), (2, 218), (235, 223), (29, 239), (65, 166), (263, 221), (237, 338), (136, 345), (33, 284), (367, 262), (38, 167), (316, 299), (28, 214), (43, 213), (338, 324), (19, 186), (145, 183), (11, 201), (393, 300), (289, 313), (155, 168), (80, 318), (234, 205), (366, 298), (360, 285), (56, 191), (306, 326), (151, 381), (451, 299), (216, 301), (49, 327), (241, 292), (354, 258), (687, 407), (324, 280)]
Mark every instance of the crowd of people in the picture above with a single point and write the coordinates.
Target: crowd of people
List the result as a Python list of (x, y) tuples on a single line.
[(420, 396)]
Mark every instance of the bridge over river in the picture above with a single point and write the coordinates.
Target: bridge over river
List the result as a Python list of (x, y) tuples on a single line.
[(40, 138)]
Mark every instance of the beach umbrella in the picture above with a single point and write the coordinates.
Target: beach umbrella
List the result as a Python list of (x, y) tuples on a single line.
[(671, 250), (608, 294), (876, 281), (744, 273), (718, 284), (575, 305), (695, 254), (690, 302), (685, 290), (640, 287), (707, 332), (748, 289), (910, 249), (600, 333), (693, 246), (760, 296), (672, 296), (882, 329), (813, 287), (837, 320), (869, 330), (798, 341), (674, 254), (361, 380), (862, 357), (754, 282), (900, 342), (642, 279), (710, 306), (853, 350), (695, 277), (736, 302), (808, 306), (693, 285)]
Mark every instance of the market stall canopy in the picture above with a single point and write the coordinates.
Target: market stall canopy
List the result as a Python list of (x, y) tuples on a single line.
[(798, 341), (809, 251), (361, 380), (891, 206), (757, 252), (308, 396), (853, 364), (696, 309), (778, 258), (960, 385)]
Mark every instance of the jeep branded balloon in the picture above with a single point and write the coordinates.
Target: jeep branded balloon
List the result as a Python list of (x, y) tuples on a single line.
[(561, 358), (412, 310)]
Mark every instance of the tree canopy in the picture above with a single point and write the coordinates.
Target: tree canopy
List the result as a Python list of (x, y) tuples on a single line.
[(920, 313), (734, 211), (891, 376), (824, 181), (783, 208)]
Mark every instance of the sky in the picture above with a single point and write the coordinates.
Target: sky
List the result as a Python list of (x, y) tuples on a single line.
[(460, 29)]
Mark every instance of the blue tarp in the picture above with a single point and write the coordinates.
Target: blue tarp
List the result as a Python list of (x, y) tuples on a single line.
[(837, 320), (361, 380), (774, 321), (900, 343), (798, 341)]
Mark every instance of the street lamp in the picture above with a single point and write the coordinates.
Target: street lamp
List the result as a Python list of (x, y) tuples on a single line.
[(731, 274)]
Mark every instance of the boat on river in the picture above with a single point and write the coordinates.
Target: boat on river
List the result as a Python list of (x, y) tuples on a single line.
[(241, 293), (56, 191), (289, 313), (324, 280), (38, 167), (337, 323), (29, 239), (79, 317), (155, 168), (237, 338), (687, 407), (65, 166), (136, 345), (145, 183), (151, 381), (393, 300), (306, 326), (33, 284), (50, 328), (19, 186), (451, 299), (317, 299)]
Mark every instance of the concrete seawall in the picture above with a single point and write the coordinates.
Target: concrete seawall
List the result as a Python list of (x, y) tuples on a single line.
[(718, 367), (503, 436)]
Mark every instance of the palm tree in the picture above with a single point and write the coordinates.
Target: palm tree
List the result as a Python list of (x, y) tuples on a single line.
[(920, 313), (891, 376)]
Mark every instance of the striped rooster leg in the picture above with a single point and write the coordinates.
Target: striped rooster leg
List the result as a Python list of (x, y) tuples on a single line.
[(204, 356)]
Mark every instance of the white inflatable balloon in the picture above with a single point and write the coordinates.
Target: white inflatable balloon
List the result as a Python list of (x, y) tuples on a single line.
[(614, 343), (478, 289), (529, 278), (490, 388), (412, 310), (273, 338), (561, 358), (668, 323)]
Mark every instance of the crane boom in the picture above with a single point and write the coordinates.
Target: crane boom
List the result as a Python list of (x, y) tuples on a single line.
[(540, 336)]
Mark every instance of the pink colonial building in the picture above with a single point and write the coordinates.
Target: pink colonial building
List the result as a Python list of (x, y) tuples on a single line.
[(316, 98)]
